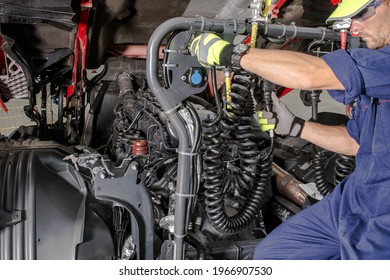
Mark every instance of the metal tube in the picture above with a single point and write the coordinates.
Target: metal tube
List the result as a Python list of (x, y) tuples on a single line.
[(293, 31), (183, 188), (30, 205), (152, 58), (288, 185)]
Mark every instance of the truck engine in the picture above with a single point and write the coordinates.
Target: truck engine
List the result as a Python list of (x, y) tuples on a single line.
[(153, 157)]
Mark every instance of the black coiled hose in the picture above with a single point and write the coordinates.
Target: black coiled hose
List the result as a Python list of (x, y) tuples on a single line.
[(345, 165), (258, 195), (213, 169), (322, 184), (249, 177)]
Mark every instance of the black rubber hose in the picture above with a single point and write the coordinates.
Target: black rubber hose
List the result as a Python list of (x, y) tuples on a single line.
[(345, 165), (194, 242), (322, 184), (251, 178)]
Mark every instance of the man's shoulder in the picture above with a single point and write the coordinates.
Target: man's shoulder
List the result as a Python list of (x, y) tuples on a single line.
[(372, 58), (366, 52)]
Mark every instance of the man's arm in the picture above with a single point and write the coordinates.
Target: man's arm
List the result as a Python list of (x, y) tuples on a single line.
[(291, 69), (331, 138), (302, 71), (286, 68)]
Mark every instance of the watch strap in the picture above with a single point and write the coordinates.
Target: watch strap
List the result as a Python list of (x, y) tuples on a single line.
[(297, 127), (237, 53)]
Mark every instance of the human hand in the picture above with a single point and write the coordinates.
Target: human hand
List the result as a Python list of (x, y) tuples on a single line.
[(211, 50), (281, 120), (267, 120)]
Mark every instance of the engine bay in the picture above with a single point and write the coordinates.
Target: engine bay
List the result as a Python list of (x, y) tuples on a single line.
[(153, 156)]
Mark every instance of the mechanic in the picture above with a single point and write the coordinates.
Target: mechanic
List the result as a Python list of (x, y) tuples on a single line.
[(353, 222)]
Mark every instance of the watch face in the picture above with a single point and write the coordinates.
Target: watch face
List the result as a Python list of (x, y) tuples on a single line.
[(241, 48), (238, 51)]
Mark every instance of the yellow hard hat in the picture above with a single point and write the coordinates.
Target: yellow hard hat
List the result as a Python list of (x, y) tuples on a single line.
[(348, 8)]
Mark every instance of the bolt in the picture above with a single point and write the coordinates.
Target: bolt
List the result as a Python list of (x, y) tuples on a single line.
[(102, 175), (134, 167), (183, 78)]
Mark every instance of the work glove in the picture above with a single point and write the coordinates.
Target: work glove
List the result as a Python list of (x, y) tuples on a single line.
[(281, 120), (267, 120), (211, 50)]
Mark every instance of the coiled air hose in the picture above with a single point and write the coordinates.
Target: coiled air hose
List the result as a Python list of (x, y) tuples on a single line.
[(249, 180), (322, 184), (345, 165)]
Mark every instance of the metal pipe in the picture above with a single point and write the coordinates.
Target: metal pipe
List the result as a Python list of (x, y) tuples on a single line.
[(184, 188), (293, 31), (183, 193), (288, 185)]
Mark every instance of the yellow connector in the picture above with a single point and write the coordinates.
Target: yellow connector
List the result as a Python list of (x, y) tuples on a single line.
[(255, 28), (228, 86), (267, 5)]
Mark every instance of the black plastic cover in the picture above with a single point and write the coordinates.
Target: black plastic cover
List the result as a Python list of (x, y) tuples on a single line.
[(61, 219)]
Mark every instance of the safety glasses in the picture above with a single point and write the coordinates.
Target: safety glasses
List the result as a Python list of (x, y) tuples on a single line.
[(368, 11)]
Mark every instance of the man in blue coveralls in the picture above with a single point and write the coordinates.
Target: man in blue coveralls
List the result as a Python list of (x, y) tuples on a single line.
[(353, 222)]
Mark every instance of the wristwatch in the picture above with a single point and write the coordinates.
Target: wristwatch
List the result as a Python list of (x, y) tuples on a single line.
[(238, 51)]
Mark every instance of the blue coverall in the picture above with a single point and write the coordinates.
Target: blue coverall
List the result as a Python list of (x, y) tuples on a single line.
[(353, 222)]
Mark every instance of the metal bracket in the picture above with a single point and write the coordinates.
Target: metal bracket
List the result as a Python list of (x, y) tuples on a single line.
[(10, 218), (136, 199)]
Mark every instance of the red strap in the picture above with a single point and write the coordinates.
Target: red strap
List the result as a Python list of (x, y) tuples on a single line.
[(284, 91), (247, 41), (276, 8), (81, 43), (2, 106), (335, 2)]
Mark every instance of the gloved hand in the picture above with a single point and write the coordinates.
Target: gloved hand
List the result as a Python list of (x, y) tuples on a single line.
[(211, 50), (284, 123), (267, 120)]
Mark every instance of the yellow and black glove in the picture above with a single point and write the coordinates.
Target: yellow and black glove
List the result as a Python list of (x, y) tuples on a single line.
[(267, 120), (280, 119), (211, 50)]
